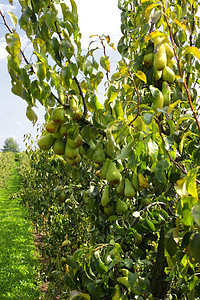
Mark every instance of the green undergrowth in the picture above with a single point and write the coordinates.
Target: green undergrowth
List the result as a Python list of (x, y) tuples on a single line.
[(19, 261)]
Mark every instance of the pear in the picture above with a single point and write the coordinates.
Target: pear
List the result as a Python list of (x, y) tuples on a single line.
[(52, 126), (104, 169), (170, 62), (158, 100), (57, 135), (166, 91), (113, 175), (142, 181), (129, 191), (46, 141), (77, 113), (160, 57), (105, 196), (157, 74), (58, 115), (120, 187), (70, 152), (109, 210), (76, 143), (168, 75), (169, 51), (63, 129), (134, 182), (59, 146), (117, 293), (121, 206), (148, 59), (99, 154), (75, 161)]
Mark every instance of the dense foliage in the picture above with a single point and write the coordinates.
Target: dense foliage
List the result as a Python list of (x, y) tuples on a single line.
[(6, 164), (127, 169), (10, 145)]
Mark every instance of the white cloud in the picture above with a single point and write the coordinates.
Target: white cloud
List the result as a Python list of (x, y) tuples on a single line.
[(7, 7), (18, 123)]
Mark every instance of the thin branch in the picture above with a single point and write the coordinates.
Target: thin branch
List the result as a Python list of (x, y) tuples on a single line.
[(179, 68), (171, 159), (138, 98), (100, 247), (83, 98)]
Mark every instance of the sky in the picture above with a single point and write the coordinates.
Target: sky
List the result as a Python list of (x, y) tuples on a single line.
[(95, 17)]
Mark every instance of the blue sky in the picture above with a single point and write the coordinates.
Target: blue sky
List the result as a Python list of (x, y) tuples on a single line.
[(95, 17)]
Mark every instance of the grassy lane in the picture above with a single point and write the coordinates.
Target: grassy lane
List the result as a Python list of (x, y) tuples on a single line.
[(18, 260)]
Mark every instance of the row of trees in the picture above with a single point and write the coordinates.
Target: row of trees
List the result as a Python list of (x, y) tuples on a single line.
[(10, 145), (136, 155)]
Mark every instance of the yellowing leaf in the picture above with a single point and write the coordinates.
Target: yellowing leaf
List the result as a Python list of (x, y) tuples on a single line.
[(180, 24), (149, 9), (180, 187), (13, 18), (153, 34), (75, 294), (194, 51), (191, 183), (141, 76)]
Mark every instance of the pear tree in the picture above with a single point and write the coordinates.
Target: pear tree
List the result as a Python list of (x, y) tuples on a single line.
[(141, 144)]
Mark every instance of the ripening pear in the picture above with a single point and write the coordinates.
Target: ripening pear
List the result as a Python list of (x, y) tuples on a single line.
[(99, 154), (134, 182), (169, 51), (46, 141), (104, 169), (121, 206), (168, 75), (148, 59), (113, 175), (129, 191), (143, 183), (117, 293), (166, 91), (58, 115), (75, 161), (158, 100), (59, 146), (57, 135), (109, 210), (120, 187), (157, 74), (160, 57), (170, 62), (105, 196), (63, 129), (70, 152), (77, 113), (75, 143), (52, 126)]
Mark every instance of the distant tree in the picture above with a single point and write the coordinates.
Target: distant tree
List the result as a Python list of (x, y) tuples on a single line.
[(10, 145)]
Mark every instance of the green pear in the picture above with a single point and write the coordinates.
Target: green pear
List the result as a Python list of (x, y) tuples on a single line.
[(166, 91), (75, 143), (63, 129), (129, 191), (121, 206), (99, 154), (105, 196), (117, 293), (113, 175), (143, 183), (169, 51), (70, 152), (148, 59), (75, 161), (157, 99), (160, 57), (156, 74), (57, 135), (104, 169), (52, 126), (58, 115), (46, 141), (170, 62), (77, 113), (59, 146), (120, 187), (168, 75), (109, 210), (134, 182)]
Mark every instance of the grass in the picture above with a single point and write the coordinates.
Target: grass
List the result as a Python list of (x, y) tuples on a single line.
[(19, 261)]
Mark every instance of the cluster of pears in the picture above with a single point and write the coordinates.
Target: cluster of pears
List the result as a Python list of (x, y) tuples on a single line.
[(161, 60), (62, 136)]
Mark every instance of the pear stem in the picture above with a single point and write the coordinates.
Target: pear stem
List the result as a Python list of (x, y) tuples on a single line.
[(180, 70)]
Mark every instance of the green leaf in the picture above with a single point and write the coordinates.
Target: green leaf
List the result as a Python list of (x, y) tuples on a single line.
[(132, 277), (194, 51), (187, 217), (105, 63), (149, 9), (194, 246), (141, 76), (40, 70), (112, 93), (148, 118), (170, 244), (191, 183), (126, 151), (196, 213), (75, 294), (13, 18), (31, 115), (160, 169), (180, 187), (153, 149), (14, 44)]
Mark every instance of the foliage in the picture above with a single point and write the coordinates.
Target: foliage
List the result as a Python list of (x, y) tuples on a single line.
[(6, 164), (133, 180), (10, 145)]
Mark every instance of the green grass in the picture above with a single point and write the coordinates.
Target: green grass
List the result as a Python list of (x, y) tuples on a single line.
[(18, 259)]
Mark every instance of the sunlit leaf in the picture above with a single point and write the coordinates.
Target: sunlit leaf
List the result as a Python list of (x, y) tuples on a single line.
[(13, 18), (31, 115), (196, 213), (180, 187), (194, 51), (14, 44), (141, 76), (105, 63), (75, 294), (191, 183)]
